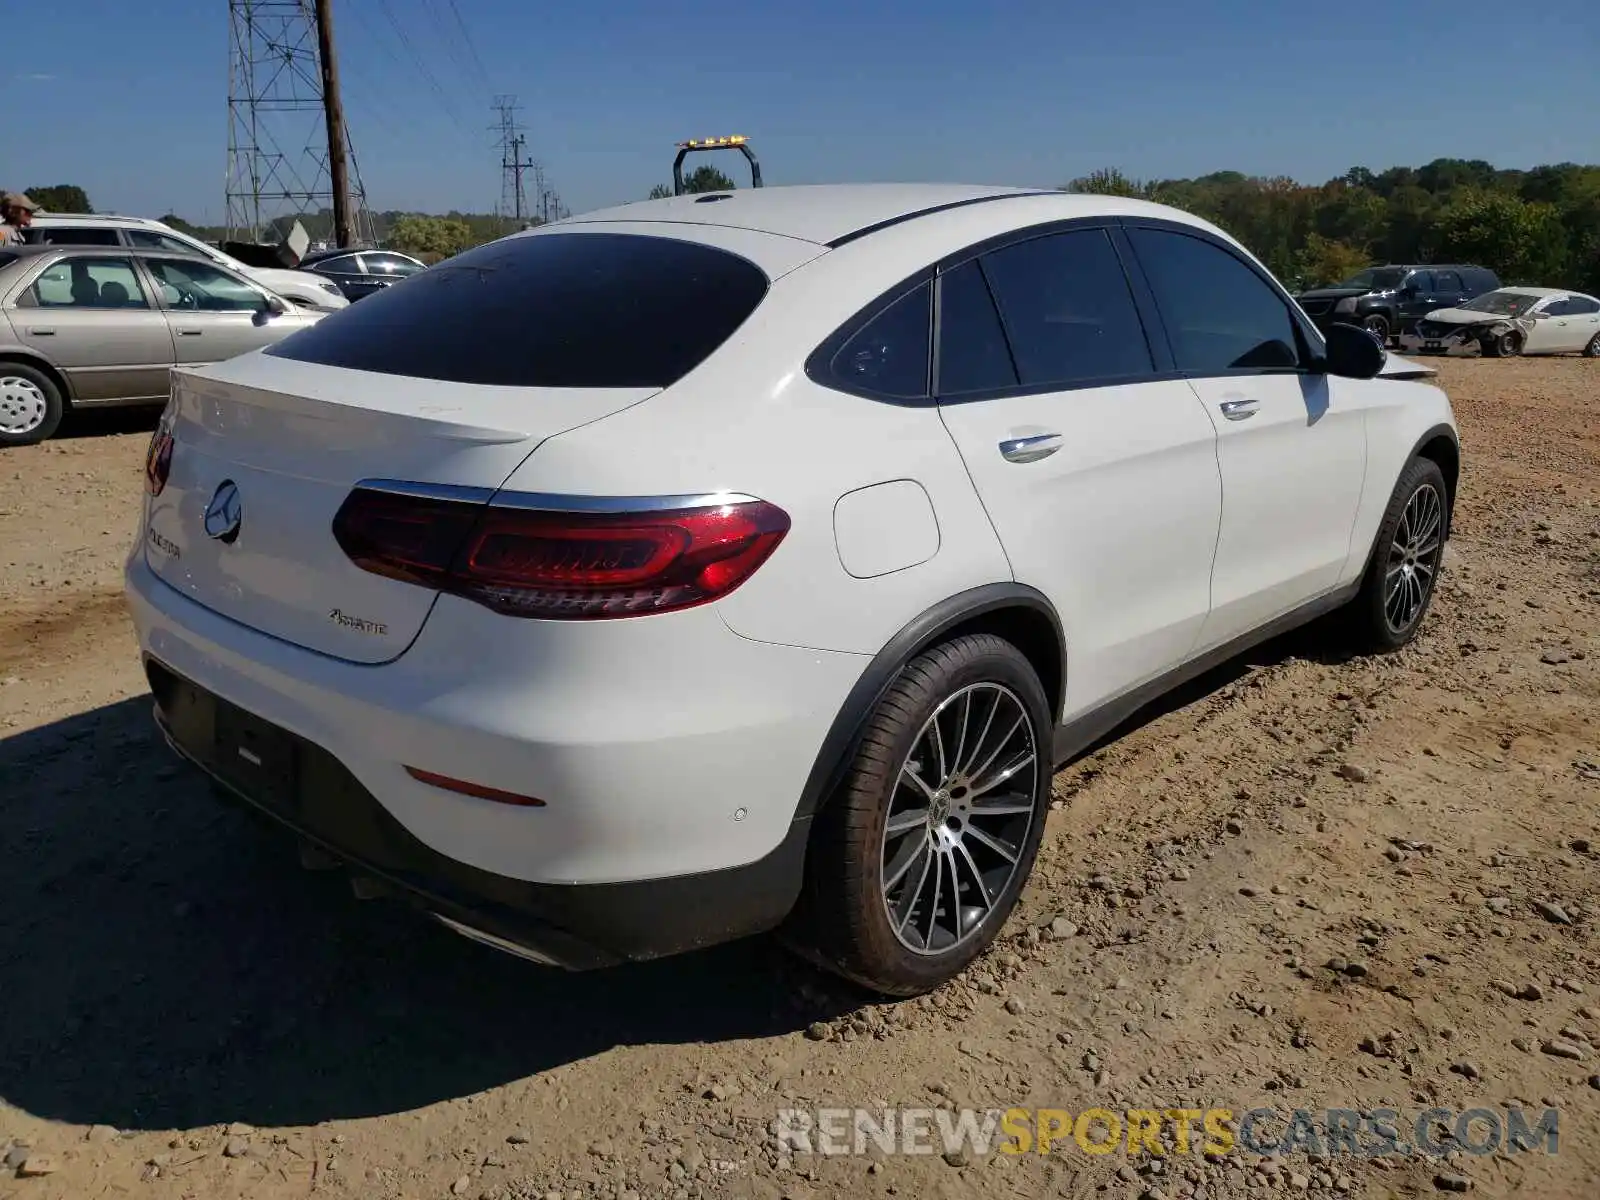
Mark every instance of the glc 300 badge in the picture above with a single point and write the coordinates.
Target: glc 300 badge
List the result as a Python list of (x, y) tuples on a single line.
[(359, 624)]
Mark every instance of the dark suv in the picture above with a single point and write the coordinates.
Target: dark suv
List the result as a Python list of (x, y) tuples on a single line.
[(1387, 301)]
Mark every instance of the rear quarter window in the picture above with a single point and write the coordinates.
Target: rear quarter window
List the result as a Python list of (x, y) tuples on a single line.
[(570, 310)]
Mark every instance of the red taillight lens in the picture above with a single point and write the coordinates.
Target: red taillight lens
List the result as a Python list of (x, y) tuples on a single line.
[(412, 538), (158, 461), (562, 565)]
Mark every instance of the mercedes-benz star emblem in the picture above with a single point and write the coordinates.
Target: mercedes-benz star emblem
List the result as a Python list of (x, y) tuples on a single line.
[(224, 513)]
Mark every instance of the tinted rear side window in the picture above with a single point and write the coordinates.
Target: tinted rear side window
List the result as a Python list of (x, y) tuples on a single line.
[(889, 356), (1067, 309), (575, 310)]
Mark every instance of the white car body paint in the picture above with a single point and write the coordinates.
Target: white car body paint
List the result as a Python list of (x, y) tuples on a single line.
[(677, 743)]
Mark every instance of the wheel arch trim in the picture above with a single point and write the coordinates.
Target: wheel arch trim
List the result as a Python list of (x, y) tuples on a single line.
[(39, 362), (929, 626), (1441, 431)]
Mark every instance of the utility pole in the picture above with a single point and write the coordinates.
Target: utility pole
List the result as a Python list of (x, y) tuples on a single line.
[(514, 165), (333, 110), (289, 148)]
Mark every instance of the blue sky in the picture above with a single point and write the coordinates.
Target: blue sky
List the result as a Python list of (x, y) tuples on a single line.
[(130, 101)]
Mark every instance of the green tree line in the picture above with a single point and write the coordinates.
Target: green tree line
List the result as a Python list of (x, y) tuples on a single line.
[(1540, 226)]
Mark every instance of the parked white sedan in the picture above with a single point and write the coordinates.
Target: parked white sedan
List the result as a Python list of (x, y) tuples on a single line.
[(1511, 321), (752, 559)]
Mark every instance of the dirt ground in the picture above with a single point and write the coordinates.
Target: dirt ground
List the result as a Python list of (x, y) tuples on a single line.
[(184, 1012)]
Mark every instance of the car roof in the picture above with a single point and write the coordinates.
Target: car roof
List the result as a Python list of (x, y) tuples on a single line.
[(96, 219), (826, 214), (340, 252), (1536, 291), (38, 249)]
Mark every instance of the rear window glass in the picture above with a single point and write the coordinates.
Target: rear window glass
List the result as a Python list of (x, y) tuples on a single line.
[(573, 310)]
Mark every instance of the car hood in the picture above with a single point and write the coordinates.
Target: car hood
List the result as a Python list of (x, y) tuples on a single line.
[(1332, 293), (297, 285), (1463, 316)]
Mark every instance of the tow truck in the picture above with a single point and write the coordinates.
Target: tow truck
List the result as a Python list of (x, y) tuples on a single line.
[(695, 145)]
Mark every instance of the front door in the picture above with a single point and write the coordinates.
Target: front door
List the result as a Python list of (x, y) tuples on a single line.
[(1416, 300), (91, 315), (1101, 480), (1291, 443), (214, 314)]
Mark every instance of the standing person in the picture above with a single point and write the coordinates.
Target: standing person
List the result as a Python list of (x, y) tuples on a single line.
[(16, 214)]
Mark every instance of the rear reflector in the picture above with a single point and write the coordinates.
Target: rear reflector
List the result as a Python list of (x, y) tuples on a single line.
[(472, 789), (560, 565)]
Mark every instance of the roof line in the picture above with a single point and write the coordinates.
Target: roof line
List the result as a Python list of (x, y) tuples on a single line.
[(854, 234), (569, 222)]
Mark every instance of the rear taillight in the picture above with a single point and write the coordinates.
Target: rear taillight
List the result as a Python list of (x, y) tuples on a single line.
[(564, 565)]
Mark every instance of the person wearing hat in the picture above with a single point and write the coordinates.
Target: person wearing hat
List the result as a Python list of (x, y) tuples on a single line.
[(16, 214)]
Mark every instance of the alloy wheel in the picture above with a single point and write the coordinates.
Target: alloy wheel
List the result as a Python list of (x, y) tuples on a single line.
[(959, 817), (1413, 558), (22, 405)]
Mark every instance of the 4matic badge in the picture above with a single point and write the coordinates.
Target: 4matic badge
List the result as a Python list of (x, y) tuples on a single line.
[(359, 624)]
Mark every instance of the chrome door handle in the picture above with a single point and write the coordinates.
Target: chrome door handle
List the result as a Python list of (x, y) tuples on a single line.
[(1030, 449), (1238, 410)]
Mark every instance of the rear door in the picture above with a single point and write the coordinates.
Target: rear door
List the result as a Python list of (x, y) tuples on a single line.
[(92, 316), (1098, 469), (1559, 326), (1448, 289), (1584, 313), (346, 270), (214, 314), (1291, 442), (1416, 300), (385, 269)]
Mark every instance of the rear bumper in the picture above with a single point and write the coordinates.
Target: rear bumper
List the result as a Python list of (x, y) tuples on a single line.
[(671, 754), (577, 927)]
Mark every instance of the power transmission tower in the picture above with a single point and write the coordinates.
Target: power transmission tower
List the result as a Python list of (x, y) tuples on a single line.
[(513, 193), (289, 151)]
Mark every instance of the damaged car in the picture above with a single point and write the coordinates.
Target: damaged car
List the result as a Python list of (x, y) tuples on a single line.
[(1511, 321)]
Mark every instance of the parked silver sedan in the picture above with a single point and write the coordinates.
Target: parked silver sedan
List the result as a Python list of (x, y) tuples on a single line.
[(85, 326)]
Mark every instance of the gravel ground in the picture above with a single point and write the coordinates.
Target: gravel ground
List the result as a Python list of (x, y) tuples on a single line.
[(1304, 883)]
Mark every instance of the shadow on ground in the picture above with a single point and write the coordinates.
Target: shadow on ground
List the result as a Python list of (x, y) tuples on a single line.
[(108, 422), (167, 964)]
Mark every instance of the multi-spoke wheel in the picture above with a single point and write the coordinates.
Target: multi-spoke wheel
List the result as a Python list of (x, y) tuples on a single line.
[(30, 405), (959, 817), (1398, 586), (914, 866), (1413, 558)]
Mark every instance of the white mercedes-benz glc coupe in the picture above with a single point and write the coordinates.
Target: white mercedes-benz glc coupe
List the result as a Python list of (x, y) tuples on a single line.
[(748, 561)]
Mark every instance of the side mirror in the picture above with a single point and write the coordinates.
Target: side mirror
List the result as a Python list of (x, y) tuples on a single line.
[(1353, 353), (1409, 292), (276, 307)]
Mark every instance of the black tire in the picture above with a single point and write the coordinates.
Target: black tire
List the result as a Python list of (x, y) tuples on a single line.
[(1592, 350), (1378, 326), (842, 921), (31, 405), (1505, 344), (1406, 557)]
